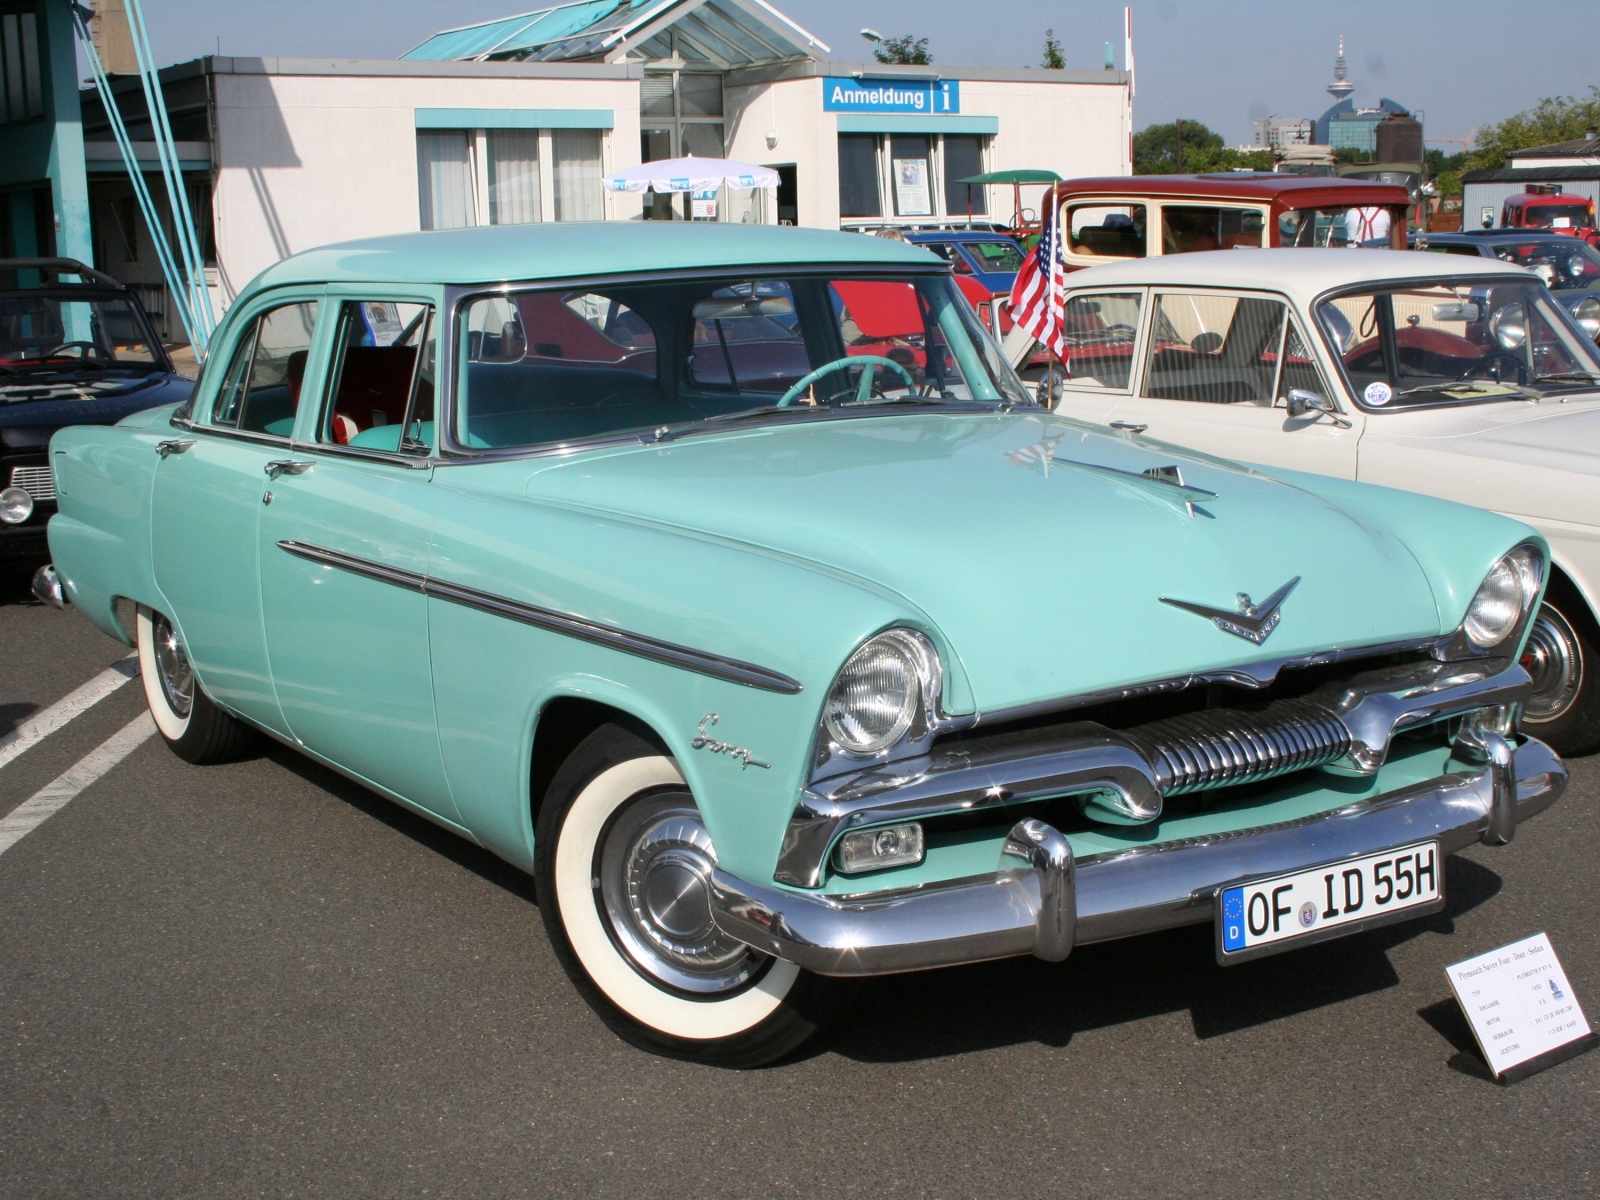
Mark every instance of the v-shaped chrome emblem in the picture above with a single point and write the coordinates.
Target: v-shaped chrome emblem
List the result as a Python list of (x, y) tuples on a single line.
[(1248, 620)]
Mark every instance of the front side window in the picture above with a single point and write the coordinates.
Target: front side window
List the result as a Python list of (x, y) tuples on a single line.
[(1108, 230), (553, 366), (1455, 342), (1215, 349), (381, 384), (1189, 227), (1101, 329), (261, 391)]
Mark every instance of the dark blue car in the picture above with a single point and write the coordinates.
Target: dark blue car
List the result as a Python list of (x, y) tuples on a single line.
[(1569, 267), (70, 354), (990, 258)]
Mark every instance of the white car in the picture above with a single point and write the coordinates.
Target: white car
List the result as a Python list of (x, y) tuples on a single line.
[(1458, 377)]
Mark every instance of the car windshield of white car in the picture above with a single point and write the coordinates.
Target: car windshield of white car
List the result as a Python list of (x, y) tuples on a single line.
[(1457, 342), (672, 356), (43, 334)]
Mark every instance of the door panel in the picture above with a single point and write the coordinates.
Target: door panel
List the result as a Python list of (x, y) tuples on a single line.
[(349, 654)]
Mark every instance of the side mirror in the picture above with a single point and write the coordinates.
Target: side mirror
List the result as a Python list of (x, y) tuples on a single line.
[(1304, 404)]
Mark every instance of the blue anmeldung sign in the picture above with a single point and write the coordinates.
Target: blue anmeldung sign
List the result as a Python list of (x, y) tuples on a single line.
[(925, 96)]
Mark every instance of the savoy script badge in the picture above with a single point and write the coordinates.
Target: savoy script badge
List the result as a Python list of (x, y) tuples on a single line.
[(1248, 620), (704, 741)]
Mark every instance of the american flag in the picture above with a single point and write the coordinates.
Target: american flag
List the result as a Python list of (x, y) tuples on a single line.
[(1036, 294)]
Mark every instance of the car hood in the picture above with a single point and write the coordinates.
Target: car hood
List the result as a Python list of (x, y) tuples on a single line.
[(1548, 433), (52, 403), (1030, 545)]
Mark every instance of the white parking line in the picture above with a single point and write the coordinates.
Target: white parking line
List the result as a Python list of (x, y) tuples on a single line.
[(57, 794), (34, 731)]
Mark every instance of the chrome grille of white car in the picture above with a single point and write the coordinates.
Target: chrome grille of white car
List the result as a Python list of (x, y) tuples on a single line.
[(36, 481)]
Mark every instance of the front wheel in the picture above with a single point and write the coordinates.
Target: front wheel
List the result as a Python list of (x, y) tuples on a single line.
[(195, 729), (624, 872), (1561, 655)]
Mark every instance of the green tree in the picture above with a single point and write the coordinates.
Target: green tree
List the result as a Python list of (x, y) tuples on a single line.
[(907, 51), (1155, 151), (1349, 156), (1053, 58), (1553, 119)]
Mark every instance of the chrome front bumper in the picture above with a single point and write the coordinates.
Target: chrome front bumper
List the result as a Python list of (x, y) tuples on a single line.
[(1041, 901)]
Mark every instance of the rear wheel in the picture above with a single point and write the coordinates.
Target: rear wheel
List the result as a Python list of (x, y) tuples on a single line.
[(1562, 656), (624, 869), (196, 729)]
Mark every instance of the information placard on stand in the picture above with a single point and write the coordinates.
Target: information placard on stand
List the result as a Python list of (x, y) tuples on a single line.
[(1521, 1008)]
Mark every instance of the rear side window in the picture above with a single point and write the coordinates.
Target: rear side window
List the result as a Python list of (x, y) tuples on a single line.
[(261, 391), (381, 385), (1189, 227)]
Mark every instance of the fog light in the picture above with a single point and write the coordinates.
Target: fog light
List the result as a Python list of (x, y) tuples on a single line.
[(875, 849), (16, 506)]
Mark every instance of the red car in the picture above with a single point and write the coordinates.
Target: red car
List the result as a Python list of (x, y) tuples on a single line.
[(1543, 206)]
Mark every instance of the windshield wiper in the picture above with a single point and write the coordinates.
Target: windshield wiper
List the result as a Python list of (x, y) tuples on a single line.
[(1568, 377)]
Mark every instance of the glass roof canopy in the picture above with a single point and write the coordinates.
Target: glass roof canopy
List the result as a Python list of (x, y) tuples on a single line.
[(717, 33)]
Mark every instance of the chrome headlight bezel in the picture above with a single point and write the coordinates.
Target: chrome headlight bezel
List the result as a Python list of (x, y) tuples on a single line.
[(16, 505), (1487, 627), (916, 716)]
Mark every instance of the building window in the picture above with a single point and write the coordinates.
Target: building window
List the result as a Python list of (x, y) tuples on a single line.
[(680, 114), (21, 89), (909, 175), (514, 176), (577, 175), (859, 190), (469, 177)]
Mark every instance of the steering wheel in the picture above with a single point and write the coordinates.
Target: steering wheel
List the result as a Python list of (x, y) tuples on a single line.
[(90, 350), (868, 363), (1496, 356)]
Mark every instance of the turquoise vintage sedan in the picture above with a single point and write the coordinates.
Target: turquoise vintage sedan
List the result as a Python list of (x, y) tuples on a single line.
[(726, 579)]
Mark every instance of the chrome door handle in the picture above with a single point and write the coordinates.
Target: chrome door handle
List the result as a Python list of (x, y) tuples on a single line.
[(173, 446), (1129, 426), (286, 466)]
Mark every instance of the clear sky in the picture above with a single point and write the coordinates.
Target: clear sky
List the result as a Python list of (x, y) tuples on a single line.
[(1223, 62)]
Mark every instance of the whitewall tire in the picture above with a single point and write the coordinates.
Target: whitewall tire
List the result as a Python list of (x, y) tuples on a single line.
[(195, 729)]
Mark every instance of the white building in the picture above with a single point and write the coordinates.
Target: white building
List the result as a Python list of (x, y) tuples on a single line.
[(518, 120), (1277, 133)]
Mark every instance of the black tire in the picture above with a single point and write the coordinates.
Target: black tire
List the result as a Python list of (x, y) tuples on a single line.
[(194, 728), (1563, 656), (616, 803)]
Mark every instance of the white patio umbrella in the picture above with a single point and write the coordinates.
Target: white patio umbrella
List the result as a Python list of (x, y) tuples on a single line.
[(691, 175)]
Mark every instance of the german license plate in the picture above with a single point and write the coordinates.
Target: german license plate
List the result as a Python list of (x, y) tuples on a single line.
[(1264, 916)]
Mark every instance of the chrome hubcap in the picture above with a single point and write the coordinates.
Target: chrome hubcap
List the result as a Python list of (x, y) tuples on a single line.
[(654, 868), (172, 668), (1554, 657)]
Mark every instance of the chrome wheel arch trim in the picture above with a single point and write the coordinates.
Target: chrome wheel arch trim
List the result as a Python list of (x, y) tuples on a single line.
[(701, 662)]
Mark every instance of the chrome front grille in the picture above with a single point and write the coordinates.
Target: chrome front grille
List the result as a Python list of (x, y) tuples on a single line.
[(1220, 747), (36, 481)]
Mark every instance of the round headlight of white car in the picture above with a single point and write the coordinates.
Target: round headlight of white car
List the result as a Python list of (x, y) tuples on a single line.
[(16, 506), (879, 692), (1505, 595)]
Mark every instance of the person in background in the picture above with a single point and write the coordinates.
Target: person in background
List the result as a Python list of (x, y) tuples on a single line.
[(1366, 224)]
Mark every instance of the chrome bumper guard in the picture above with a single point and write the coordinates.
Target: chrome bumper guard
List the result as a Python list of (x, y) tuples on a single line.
[(1041, 901)]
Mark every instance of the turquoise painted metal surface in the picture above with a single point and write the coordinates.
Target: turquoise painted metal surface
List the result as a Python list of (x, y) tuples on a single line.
[(1029, 548)]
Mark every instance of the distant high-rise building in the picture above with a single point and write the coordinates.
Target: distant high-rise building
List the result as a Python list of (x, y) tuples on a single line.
[(1341, 85), (1276, 133)]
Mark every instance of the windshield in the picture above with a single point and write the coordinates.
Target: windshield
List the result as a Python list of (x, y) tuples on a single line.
[(1556, 216), (1563, 263), (1453, 342), (675, 356), (997, 256), (42, 333)]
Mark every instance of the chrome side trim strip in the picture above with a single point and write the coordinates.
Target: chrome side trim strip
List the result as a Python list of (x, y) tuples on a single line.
[(1119, 894), (701, 662)]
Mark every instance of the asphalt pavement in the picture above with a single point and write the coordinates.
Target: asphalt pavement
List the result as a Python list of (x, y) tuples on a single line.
[(261, 980)]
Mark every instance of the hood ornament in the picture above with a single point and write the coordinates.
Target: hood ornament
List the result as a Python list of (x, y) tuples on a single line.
[(1248, 620)]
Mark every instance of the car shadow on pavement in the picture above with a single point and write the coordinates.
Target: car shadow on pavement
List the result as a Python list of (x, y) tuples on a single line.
[(16, 585), (934, 1014), (12, 715), (457, 849)]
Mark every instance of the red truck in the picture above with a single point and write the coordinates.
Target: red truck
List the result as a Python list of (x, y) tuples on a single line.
[(1543, 206)]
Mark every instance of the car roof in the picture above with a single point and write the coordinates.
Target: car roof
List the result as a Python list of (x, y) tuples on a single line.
[(956, 235), (565, 250), (1302, 273)]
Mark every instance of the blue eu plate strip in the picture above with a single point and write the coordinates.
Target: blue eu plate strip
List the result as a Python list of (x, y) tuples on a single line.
[(1233, 919)]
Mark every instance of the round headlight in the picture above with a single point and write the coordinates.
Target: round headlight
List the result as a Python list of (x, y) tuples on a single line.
[(879, 692), (1588, 314), (16, 506), (1504, 596)]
